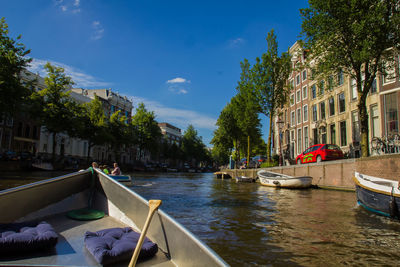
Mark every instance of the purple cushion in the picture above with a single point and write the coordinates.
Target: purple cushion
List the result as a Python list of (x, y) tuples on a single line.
[(117, 244), (22, 237)]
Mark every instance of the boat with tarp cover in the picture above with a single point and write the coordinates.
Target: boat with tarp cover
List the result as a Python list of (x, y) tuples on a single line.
[(378, 195), (73, 213)]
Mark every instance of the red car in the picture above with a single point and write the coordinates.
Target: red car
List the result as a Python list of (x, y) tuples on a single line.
[(318, 153)]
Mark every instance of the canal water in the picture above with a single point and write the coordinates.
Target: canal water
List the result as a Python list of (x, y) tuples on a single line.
[(253, 225)]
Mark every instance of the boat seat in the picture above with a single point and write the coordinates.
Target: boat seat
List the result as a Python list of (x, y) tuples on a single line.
[(117, 244), (26, 237)]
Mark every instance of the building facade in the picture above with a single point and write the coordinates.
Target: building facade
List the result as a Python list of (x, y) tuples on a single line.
[(171, 133), (326, 111)]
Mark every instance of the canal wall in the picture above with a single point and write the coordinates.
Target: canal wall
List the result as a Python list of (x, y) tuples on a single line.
[(336, 174)]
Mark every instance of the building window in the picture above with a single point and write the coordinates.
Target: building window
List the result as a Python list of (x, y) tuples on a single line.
[(355, 126), (314, 113), (27, 131), (305, 134), (322, 110), (298, 96), (353, 89), (292, 99), (315, 136), (330, 83), (298, 115), (331, 102), (375, 126), (332, 133), (297, 79), (343, 137), (291, 84), (323, 134), (313, 91), (292, 118), (299, 150), (374, 88), (305, 113), (390, 74), (304, 75), (321, 87), (19, 129), (304, 92), (340, 79), (391, 111), (341, 100)]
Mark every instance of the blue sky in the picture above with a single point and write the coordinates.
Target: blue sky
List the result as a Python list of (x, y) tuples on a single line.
[(181, 58)]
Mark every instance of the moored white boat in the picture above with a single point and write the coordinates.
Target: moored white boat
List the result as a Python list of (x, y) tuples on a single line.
[(273, 179), (381, 196), (51, 200)]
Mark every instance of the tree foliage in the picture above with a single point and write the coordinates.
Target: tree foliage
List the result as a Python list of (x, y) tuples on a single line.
[(147, 132), (245, 106), (270, 75), (53, 105), (13, 60), (359, 37)]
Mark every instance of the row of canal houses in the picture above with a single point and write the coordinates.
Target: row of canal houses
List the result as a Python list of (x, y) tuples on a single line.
[(315, 114), (22, 134)]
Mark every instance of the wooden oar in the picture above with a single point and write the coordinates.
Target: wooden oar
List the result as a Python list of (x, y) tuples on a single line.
[(153, 205)]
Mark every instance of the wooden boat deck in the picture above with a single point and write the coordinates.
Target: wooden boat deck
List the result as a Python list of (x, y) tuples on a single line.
[(70, 249)]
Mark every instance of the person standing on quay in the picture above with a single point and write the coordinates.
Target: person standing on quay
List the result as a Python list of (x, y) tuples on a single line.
[(116, 170)]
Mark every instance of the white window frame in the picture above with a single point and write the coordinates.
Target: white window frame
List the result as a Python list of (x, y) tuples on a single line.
[(305, 92), (391, 72), (299, 141), (292, 96), (305, 113), (298, 96), (298, 115), (292, 118), (297, 79), (304, 76), (305, 130)]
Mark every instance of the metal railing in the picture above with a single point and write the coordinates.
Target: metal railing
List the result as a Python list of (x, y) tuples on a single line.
[(386, 145)]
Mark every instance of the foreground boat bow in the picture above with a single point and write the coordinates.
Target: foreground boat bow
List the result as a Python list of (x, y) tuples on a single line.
[(51, 199)]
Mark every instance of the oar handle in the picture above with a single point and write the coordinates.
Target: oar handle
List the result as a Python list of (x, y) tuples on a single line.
[(153, 206)]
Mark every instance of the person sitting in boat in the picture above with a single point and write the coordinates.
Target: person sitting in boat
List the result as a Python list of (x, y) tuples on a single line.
[(95, 165), (105, 169), (117, 170)]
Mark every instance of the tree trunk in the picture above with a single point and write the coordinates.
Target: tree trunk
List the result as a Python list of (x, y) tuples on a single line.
[(248, 150), (269, 138), (53, 150), (362, 110)]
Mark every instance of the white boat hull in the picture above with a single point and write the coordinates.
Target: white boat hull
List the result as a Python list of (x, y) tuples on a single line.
[(285, 181)]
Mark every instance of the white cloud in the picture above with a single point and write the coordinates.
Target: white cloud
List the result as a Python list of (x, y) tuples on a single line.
[(98, 30), (234, 43), (80, 78), (179, 117), (178, 80), (65, 5)]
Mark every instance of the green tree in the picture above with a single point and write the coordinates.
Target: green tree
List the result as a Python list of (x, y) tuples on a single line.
[(148, 133), (91, 124), (53, 105), (270, 74), (13, 61), (245, 105), (192, 145), (228, 134), (118, 133), (359, 37)]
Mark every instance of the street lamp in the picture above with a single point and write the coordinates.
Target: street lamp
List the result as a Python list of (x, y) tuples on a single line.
[(280, 124)]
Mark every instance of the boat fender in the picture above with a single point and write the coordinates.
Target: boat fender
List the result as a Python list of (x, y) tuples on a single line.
[(393, 208), (276, 183)]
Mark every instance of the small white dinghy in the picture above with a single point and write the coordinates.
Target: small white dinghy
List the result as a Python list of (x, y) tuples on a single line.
[(273, 179)]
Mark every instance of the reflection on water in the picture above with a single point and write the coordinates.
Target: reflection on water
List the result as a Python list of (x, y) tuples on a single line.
[(251, 225)]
